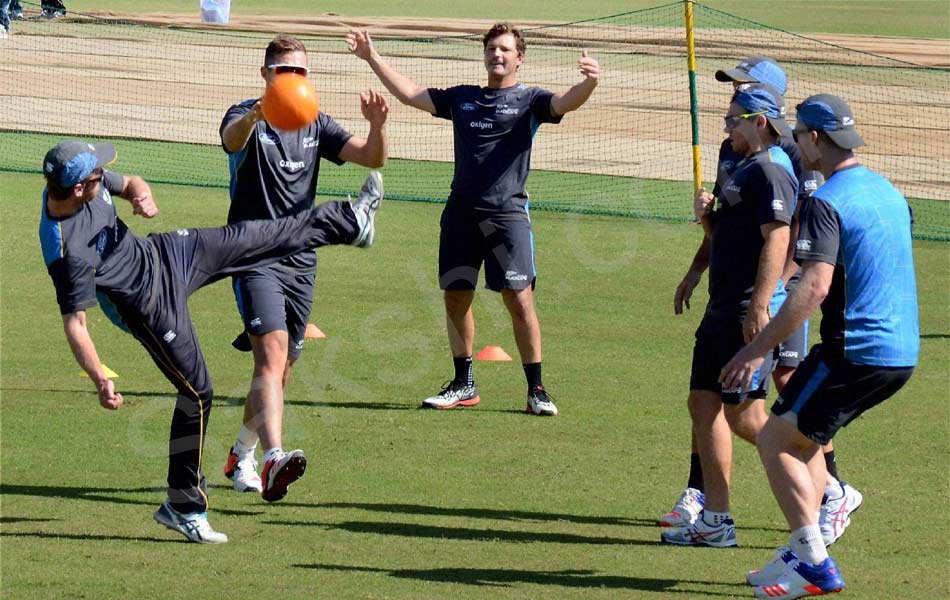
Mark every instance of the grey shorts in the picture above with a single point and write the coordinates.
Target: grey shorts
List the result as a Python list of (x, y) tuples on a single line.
[(274, 298), (503, 242)]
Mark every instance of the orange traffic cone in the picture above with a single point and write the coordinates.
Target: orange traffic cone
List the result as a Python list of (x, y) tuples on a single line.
[(493, 353), (313, 332)]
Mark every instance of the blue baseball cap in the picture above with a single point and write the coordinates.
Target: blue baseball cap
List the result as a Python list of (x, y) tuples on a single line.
[(831, 114), (756, 69), (762, 98), (70, 161)]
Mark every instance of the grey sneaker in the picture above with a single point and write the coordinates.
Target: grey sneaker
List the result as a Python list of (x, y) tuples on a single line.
[(365, 207), (701, 534), (454, 393), (193, 526)]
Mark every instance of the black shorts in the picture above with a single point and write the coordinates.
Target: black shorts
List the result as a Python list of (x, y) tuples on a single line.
[(504, 242), (274, 298), (717, 341), (823, 396)]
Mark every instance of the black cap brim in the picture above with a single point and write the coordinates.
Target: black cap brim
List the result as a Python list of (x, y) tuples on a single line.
[(847, 139), (737, 75), (781, 126), (105, 154)]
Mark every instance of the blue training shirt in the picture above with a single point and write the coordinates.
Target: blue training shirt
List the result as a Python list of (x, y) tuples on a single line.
[(860, 223)]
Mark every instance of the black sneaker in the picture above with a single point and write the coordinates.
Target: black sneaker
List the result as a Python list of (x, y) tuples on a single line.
[(454, 393), (540, 403)]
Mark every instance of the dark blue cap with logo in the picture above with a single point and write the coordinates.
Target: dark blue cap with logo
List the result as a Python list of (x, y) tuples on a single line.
[(756, 69), (831, 114), (71, 161), (764, 99)]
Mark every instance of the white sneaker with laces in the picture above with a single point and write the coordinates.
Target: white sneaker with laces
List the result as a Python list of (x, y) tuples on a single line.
[(835, 515), (245, 476), (193, 526), (772, 570), (365, 207), (540, 403), (454, 393), (686, 510), (702, 534)]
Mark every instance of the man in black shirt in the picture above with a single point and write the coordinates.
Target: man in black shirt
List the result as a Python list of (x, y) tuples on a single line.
[(143, 287), (486, 216)]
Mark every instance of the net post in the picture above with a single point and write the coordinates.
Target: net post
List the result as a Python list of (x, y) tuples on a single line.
[(693, 95)]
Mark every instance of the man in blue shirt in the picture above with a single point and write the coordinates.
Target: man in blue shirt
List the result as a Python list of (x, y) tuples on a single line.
[(274, 174), (486, 216), (855, 249), (747, 250), (839, 499), (143, 287)]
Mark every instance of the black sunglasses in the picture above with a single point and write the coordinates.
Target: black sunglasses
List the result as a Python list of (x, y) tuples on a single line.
[(96, 176), (282, 68)]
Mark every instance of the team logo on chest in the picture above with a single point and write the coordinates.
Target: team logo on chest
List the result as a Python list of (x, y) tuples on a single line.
[(504, 109), (101, 241), (267, 138), (310, 142), (468, 106)]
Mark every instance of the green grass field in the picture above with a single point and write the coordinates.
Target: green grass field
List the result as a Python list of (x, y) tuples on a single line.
[(404, 503), (916, 18)]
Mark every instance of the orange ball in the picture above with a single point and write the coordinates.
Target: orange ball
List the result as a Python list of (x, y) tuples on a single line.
[(290, 102)]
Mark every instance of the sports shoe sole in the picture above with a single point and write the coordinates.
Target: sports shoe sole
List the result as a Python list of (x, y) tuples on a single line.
[(541, 413), (466, 402), (292, 471), (733, 544)]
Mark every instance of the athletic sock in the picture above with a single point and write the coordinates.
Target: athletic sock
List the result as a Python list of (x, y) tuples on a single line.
[(273, 453), (695, 472), (714, 519), (463, 370), (807, 544), (532, 372), (830, 465), (246, 442), (833, 489)]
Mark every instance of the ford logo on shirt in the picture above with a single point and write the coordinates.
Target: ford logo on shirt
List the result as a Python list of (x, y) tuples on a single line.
[(469, 106), (101, 242), (268, 138)]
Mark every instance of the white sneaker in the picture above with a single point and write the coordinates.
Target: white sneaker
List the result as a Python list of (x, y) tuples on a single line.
[(280, 472), (835, 515), (454, 393), (686, 510), (4, 33), (540, 403), (193, 526), (242, 472), (772, 570), (800, 580), (365, 207), (702, 534)]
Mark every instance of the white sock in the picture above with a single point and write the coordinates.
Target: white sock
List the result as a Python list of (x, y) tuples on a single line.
[(807, 544), (273, 453), (714, 519), (833, 488), (246, 442)]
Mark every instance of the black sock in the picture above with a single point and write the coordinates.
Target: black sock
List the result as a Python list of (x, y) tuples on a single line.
[(695, 472), (532, 372), (830, 464), (463, 370)]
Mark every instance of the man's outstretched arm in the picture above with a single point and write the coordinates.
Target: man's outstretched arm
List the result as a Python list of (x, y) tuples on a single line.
[(74, 325), (404, 89), (574, 98)]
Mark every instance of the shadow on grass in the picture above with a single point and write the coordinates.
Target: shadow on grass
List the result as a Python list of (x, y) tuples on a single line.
[(6, 520), (85, 537), (111, 495), (497, 514), (568, 578), (470, 534)]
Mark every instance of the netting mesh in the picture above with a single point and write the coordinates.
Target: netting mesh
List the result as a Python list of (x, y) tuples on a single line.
[(627, 152)]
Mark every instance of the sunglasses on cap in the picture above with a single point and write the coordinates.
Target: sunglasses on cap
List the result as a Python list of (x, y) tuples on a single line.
[(282, 68), (96, 176), (733, 121)]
